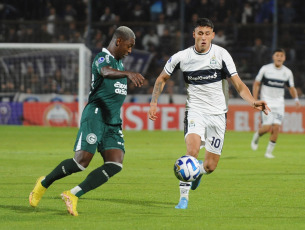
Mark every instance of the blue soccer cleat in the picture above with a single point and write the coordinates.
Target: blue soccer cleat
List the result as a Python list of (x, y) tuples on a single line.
[(182, 203), (196, 183)]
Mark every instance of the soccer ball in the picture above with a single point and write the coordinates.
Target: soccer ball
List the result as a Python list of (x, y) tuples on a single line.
[(187, 168)]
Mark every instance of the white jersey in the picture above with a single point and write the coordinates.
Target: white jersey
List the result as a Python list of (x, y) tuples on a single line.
[(273, 83), (205, 77)]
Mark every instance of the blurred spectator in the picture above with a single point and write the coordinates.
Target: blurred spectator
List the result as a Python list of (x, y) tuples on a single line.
[(165, 40), (70, 13), (156, 9), (51, 18), (247, 14), (43, 35), (77, 38), (30, 82), (160, 24), (264, 12), (220, 38), (8, 12), (138, 14), (221, 10), (108, 16), (99, 37), (139, 39), (58, 83), (204, 9), (62, 39), (29, 36), (260, 54), (70, 31), (171, 9), (150, 39), (287, 42), (288, 13), (11, 35)]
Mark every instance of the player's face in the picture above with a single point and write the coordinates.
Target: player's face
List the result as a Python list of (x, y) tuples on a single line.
[(278, 58), (203, 37), (125, 47)]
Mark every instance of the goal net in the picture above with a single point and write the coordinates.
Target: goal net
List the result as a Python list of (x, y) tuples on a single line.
[(43, 84)]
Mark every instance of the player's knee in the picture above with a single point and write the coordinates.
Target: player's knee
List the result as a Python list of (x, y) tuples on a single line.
[(193, 152)]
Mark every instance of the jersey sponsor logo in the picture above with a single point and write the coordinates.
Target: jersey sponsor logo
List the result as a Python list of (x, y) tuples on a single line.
[(91, 138), (274, 83), (101, 60), (120, 88), (201, 77), (198, 78)]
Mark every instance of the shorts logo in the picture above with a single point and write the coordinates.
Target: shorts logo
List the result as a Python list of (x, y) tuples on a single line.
[(91, 138), (101, 60)]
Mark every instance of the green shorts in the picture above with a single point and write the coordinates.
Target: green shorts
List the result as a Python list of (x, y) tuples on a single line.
[(94, 134)]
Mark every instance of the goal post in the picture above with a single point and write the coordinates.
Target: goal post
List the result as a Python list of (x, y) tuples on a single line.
[(38, 70)]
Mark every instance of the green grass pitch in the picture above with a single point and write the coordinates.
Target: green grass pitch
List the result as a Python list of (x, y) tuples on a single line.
[(246, 191)]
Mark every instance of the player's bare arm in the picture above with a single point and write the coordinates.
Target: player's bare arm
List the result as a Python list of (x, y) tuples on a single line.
[(136, 78), (159, 85), (255, 89), (294, 94), (245, 93)]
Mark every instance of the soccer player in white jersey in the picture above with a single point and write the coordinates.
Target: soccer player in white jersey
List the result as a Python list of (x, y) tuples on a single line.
[(205, 67), (271, 81)]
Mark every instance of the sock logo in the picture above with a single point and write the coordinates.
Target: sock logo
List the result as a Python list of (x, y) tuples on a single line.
[(63, 169), (91, 138), (106, 174)]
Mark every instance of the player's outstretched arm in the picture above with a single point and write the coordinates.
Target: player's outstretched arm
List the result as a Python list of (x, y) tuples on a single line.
[(245, 93), (136, 78), (159, 85), (294, 94)]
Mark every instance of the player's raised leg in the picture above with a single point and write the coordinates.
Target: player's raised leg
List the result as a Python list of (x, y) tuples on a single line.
[(113, 164)]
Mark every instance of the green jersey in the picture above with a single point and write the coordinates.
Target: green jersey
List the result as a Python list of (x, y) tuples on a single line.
[(107, 94)]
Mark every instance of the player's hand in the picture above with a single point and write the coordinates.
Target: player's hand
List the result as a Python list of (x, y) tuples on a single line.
[(136, 78), (152, 112), (261, 106), (298, 104)]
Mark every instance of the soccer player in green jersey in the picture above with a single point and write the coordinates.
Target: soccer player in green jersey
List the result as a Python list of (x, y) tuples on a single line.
[(100, 127)]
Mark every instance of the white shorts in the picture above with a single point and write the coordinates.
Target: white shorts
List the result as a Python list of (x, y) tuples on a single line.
[(276, 116), (211, 129)]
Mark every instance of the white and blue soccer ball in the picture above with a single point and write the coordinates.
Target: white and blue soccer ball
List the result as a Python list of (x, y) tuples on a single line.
[(187, 168)]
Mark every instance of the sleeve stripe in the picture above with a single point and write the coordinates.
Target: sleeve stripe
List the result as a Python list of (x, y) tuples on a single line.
[(169, 73)]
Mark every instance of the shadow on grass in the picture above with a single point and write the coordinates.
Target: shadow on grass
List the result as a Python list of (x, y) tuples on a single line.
[(29, 209), (146, 203)]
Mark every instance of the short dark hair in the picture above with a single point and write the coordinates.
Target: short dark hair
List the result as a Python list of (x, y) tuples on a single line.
[(281, 50), (204, 22)]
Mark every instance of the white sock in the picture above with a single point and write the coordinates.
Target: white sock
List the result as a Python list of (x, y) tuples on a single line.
[(202, 170), (270, 147), (256, 137), (75, 190), (184, 189)]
